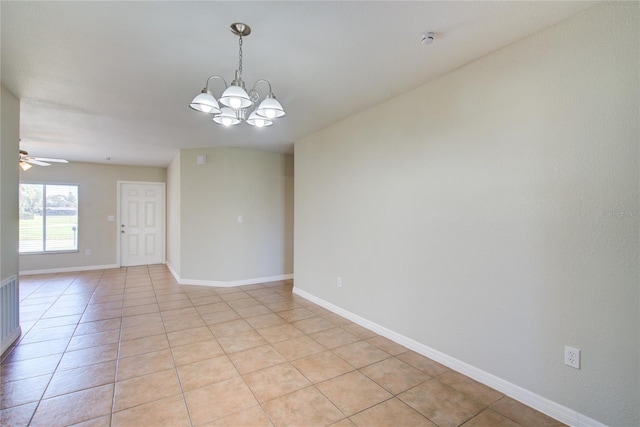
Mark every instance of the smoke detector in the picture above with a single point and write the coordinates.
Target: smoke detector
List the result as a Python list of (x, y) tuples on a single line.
[(427, 37)]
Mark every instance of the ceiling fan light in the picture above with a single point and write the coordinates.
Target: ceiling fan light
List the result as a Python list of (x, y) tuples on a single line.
[(270, 108), (205, 103), (236, 97), (227, 117), (25, 166), (258, 121)]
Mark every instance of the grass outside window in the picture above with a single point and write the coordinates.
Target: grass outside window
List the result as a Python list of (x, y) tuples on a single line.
[(48, 218)]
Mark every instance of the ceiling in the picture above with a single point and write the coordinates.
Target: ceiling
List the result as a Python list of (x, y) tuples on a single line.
[(102, 80)]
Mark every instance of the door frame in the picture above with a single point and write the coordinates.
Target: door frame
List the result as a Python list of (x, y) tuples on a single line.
[(119, 185)]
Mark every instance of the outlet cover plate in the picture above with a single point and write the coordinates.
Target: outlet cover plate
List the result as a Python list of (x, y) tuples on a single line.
[(572, 357)]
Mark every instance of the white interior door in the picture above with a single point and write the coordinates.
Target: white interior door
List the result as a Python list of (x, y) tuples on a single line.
[(142, 226)]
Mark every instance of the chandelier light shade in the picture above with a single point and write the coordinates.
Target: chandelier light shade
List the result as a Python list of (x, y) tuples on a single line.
[(259, 121), (205, 103), (236, 97), (227, 117), (236, 104), (270, 108)]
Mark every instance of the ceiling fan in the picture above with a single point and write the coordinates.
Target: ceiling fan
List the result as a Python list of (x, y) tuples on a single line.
[(25, 161)]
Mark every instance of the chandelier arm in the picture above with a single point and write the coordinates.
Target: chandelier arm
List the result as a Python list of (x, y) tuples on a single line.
[(216, 77), (254, 95), (263, 81)]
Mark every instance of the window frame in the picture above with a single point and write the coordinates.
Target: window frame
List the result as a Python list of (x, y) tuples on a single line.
[(44, 250)]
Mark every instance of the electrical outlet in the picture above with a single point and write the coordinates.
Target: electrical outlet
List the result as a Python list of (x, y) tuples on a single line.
[(87, 252), (339, 282), (572, 357)]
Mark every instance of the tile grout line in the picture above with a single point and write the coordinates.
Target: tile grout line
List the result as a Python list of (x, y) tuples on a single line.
[(175, 367), (115, 375)]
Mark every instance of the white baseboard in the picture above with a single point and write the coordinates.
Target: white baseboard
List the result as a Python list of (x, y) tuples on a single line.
[(173, 271), (542, 404), (235, 282), (68, 269), (6, 343), (220, 284)]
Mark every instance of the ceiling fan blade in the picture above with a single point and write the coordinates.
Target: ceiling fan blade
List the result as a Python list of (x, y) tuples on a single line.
[(36, 162), (46, 159)]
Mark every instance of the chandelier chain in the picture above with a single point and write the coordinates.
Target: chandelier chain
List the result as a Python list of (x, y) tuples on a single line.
[(240, 56)]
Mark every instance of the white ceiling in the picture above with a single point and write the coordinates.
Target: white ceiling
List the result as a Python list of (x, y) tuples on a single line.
[(114, 79)]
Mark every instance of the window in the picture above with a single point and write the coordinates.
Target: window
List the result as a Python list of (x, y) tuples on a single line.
[(48, 218)]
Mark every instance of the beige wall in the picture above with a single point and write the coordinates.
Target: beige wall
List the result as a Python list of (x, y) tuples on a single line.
[(204, 240), (9, 142), (97, 200), (492, 215), (256, 185)]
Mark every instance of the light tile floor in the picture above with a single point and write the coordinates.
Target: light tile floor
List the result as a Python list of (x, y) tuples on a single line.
[(130, 347)]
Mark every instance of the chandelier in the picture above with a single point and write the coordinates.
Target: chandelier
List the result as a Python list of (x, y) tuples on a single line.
[(237, 103)]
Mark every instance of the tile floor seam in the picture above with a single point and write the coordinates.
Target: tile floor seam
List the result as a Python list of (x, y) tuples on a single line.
[(115, 374), (390, 391), (113, 394), (327, 397), (256, 398), (184, 398), (175, 368), (374, 405), (499, 412)]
